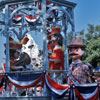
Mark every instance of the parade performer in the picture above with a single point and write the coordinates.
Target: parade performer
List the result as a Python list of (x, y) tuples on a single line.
[(51, 42), (14, 49), (57, 56), (80, 71)]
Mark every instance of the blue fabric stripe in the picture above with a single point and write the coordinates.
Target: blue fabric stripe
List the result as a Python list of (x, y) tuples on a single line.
[(86, 89), (26, 77)]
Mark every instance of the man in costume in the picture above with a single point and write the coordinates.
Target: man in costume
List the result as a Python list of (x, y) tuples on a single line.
[(57, 56), (54, 30), (80, 71)]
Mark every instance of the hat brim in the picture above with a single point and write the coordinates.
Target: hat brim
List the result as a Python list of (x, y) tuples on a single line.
[(77, 45), (52, 33), (14, 45)]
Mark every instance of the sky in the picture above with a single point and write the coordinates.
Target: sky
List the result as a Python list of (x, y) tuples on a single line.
[(85, 12)]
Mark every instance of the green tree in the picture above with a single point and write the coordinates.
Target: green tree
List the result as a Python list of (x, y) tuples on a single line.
[(93, 32), (93, 52), (92, 38), (90, 33)]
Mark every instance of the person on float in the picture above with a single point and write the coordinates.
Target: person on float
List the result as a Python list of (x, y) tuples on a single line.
[(49, 46), (14, 50), (77, 68), (54, 30), (57, 56)]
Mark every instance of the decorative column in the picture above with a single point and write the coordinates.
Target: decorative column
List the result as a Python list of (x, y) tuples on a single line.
[(7, 38)]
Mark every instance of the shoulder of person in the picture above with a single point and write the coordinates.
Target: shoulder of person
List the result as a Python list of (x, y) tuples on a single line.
[(88, 66), (84, 66)]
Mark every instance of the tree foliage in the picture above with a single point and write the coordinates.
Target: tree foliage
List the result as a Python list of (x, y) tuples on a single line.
[(93, 52), (92, 38)]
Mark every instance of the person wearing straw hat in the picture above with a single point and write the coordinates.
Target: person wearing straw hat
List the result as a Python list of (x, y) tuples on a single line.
[(78, 69)]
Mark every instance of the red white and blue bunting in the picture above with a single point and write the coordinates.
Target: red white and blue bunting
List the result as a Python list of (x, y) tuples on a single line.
[(56, 90), (87, 91), (29, 18), (82, 91), (17, 19), (26, 80), (32, 20)]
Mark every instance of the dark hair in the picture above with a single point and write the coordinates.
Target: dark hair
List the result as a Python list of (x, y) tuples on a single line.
[(59, 39), (11, 51)]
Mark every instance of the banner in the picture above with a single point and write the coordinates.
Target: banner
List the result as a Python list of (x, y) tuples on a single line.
[(26, 80), (55, 90), (32, 20), (17, 19), (87, 91)]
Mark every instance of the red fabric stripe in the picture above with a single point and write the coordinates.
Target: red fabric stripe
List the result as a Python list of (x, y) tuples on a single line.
[(75, 78), (48, 3), (39, 6), (29, 17), (17, 16), (1, 77), (43, 79), (55, 85)]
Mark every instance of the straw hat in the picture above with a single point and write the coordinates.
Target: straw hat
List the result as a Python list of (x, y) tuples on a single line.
[(13, 44), (76, 42)]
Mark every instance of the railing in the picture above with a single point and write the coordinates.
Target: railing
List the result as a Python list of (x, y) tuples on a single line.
[(36, 91)]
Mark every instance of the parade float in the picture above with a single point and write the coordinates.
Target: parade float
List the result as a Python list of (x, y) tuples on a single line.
[(19, 17)]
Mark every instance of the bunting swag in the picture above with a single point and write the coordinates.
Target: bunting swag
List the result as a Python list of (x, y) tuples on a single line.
[(87, 91), (56, 90), (32, 20), (26, 80), (17, 19)]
